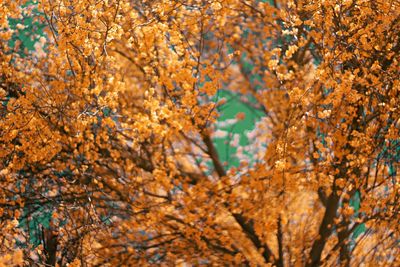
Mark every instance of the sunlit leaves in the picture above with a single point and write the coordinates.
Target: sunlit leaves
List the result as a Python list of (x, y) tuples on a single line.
[(112, 125)]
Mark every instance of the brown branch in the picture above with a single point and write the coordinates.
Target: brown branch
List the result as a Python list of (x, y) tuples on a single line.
[(280, 242), (241, 220), (325, 230), (213, 154)]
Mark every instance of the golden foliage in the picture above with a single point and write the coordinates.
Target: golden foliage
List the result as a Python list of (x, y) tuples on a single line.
[(108, 125)]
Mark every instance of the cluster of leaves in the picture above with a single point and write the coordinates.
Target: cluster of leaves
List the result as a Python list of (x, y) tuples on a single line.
[(108, 128)]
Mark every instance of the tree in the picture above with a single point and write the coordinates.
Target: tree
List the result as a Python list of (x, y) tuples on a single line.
[(109, 126)]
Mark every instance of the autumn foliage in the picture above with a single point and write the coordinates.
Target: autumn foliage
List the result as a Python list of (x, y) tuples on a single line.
[(108, 127)]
